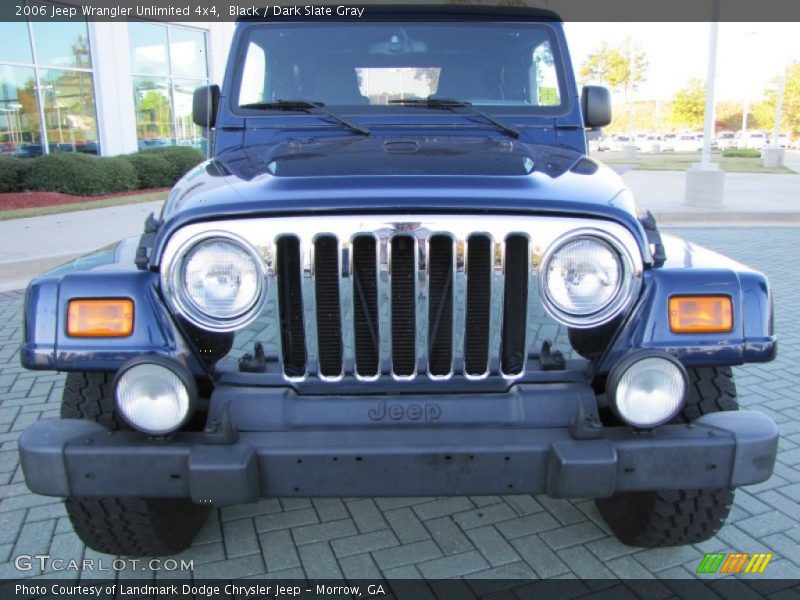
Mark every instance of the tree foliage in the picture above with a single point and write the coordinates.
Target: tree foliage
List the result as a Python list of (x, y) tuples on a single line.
[(622, 67), (764, 111), (688, 106), (728, 116)]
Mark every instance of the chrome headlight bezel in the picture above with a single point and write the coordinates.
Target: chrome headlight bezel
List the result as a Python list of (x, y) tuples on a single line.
[(626, 291), (180, 300)]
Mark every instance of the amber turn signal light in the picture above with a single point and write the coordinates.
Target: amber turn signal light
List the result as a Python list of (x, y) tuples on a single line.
[(100, 318), (700, 314)]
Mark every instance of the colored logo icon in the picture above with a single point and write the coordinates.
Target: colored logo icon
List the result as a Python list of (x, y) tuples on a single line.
[(734, 562)]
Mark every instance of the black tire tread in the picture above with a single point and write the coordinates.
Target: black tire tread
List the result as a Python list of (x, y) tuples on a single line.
[(89, 396), (135, 526), (115, 525), (678, 517)]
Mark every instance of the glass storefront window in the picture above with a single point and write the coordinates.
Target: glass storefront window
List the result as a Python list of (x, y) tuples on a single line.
[(16, 42), (187, 50), (154, 116), (47, 100), (168, 64), (187, 133), (60, 44), (148, 49), (69, 110), (20, 134)]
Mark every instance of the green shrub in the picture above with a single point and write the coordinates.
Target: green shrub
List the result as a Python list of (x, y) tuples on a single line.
[(741, 153), (181, 158), (85, 175), (120, 174), (152, 170), (12, 173), (80, 174)]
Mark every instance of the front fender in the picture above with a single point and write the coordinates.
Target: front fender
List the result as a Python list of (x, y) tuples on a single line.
[(108, 273), (693, 269)]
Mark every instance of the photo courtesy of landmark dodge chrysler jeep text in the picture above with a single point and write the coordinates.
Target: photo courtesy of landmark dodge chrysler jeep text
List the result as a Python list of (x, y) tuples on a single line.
[(399, 274)]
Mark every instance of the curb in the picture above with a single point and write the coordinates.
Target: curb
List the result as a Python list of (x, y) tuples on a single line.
[(730, 218), (17, 273)]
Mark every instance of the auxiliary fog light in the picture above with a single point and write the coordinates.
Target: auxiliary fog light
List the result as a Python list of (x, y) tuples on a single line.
[(154, 395), (647, 389)]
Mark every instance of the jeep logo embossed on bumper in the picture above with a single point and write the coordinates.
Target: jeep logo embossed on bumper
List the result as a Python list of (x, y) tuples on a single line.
[(431, 412)]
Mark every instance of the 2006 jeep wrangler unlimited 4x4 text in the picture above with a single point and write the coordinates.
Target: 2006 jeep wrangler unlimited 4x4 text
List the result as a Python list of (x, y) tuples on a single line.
[(399, 274)]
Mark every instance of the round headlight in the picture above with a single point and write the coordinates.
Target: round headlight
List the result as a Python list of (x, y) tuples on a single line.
[(219, 284), (585, 281), (154, 396), (647, 390)]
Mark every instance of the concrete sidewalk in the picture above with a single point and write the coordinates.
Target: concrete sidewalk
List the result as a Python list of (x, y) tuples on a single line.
[(31, 246), (34, 245), (750, 199)]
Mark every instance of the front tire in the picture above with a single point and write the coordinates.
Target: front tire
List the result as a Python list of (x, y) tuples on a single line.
[(677, 517), (116, 525)]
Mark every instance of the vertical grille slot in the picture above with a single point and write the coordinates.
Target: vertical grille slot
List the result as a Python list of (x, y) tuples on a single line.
[(329, 330), (476, 330), (403, 305), (290, 306), (515, 305), (440, 307), (365, 300)]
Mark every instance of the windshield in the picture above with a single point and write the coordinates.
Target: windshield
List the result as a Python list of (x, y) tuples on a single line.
[(373, 64)]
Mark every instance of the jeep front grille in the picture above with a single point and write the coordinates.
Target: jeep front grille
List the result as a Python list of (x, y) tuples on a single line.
[(406, 288), (371, 296)]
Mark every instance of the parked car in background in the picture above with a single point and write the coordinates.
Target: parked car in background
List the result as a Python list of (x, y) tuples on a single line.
[(146, 143), (726, 140), (752, 140), (689, 142), (615, 142), (640, 139), (783, 141), (668, 141), (650, 142)]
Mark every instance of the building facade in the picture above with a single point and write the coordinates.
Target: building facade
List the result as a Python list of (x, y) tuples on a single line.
[(104, 88)]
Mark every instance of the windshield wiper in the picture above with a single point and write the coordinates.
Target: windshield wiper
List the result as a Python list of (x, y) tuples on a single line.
[(450, 104), (307, 106)]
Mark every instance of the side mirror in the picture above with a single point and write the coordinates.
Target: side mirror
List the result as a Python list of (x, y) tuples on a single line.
[(204, 106), (596, 106)]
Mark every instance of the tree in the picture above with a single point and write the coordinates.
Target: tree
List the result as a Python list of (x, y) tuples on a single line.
[(764, 111), (154, 118), (729, 116), (688, 106), (622, 67)]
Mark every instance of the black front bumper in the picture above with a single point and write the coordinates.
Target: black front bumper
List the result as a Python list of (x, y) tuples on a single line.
[(82, 458)]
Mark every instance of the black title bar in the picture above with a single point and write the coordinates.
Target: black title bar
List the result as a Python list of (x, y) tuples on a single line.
[(232, 10)]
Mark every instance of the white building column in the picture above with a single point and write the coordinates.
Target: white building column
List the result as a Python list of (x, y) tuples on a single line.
[(113, 84), (220, 36)]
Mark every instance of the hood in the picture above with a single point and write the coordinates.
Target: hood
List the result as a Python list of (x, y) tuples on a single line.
[(354, 174)]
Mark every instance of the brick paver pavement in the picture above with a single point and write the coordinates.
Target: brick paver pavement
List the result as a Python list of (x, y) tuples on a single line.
[(477, 537)]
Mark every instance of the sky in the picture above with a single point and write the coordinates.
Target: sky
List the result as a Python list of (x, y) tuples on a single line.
[(749, 55)]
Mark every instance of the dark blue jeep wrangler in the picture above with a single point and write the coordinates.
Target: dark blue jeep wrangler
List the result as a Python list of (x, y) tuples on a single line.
[(399, 274)]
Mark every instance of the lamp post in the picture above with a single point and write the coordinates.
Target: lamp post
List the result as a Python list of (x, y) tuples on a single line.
[(773, 153), (705, 181), (746, 107)]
